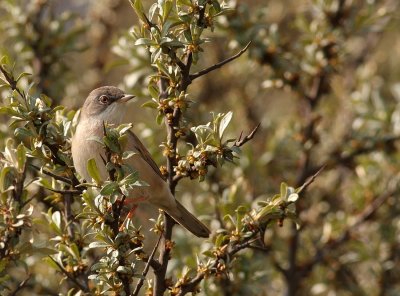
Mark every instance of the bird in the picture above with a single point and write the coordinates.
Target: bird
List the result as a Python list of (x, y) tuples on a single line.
[(107, 104)]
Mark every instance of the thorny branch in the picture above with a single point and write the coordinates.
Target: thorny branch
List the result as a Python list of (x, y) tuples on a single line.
[(172, 125), (65, 191), (236, 247), (21, 286), (48, 173), (220, 64), (71, 277), (146, 268), (192, 284), (243, 140), (11, 81), (68, 215)]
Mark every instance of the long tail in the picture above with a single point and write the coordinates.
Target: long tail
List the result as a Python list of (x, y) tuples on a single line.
[(187, 220)]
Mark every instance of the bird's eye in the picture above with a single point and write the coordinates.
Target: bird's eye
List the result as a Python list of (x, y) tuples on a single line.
[(104, 99)]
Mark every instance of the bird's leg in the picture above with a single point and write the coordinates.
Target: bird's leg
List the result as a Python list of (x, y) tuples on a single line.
[(135, 203)]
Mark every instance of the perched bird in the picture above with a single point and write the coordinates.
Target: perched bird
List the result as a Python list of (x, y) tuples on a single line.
[(107, 104)]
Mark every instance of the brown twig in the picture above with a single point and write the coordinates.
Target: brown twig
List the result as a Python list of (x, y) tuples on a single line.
[(338, 16), (172, 125), (219, 65), (243, 140), (172, 140), (20, 286), (65, 191), (69, 217), (310, 179), (81, 286), (12, 82), (192, 284), (55, 176), (146, 268)]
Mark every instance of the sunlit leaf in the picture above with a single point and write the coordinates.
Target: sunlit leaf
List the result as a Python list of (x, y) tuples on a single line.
[(226, 119), (93, 170)]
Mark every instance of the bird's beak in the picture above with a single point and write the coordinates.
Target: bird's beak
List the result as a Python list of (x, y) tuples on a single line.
[(125, 98)]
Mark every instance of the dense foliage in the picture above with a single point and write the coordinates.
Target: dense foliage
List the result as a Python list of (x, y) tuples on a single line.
[(235, 101)]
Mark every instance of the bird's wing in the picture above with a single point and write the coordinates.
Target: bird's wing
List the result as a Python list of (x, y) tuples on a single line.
[(141, 149)]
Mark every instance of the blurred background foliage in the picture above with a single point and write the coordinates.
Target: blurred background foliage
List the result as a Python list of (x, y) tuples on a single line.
[(322, 78)]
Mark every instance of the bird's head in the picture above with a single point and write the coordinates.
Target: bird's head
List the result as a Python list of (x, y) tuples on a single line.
[(106, 103)]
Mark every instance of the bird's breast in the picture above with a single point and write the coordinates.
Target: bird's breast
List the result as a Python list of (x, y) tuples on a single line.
[(84, 147)]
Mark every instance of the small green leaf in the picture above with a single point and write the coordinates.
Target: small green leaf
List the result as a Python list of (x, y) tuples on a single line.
[(128, 154), (123, 128), (10, 152), (150, 104), (75, 251), (138, 8), (93, 245), (219, 240), (159, 118), (123, 270), (112, 145), (216, 5), (22, 133), (153, 91), (166, 41), (188, 35), (269, 212), (145, 41), (293, 197), (152, 10), (56, 218), (93, 170), (51, 262), (229, 218), (95, 139), (240, 213), (21, 157), (109, 189), (209, 253), (5, 181), (166, 9), (45, 251), (23, 74), (283, 191)]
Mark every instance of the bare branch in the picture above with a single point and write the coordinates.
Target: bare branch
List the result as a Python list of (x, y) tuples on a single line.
[(48, 173), (146, 268), (241, 141), (165, 252), (69, 217), (191, 285), (70, 277), (310, 179), (177, 178), (219, 65), (11, 81), (65, 191), (20, 286), (160, 272)]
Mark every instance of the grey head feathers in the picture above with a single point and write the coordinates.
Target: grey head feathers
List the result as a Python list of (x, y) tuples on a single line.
[(105, 104)]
